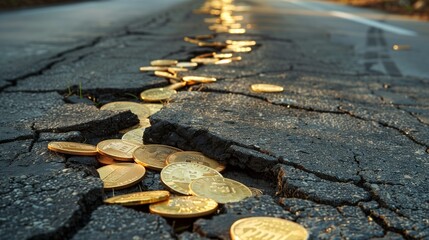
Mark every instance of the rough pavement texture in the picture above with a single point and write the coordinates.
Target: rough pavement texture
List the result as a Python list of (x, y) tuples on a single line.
[(341, 151)]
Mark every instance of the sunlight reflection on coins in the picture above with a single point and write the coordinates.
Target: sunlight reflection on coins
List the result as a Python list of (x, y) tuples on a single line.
[(266, 88), (194, 157), (157, 94), (184, 207), (121, 175), (73, 148), (134, 136), (139, 198), (117, 149), (153, 156)]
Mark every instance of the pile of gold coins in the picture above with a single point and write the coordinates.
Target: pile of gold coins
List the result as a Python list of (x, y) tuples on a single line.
[(194, 182)]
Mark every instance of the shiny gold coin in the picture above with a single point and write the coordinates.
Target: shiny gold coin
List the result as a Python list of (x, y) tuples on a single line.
[(117, 149), (194, 157), (178, 176), (211, 44), (186, 64), (138, 109), (176, 86), (204, 60), (237, 31), (222, 55), (163, 62), (174, 70), (73, 148), (153, 68), (242, 43), (256, 192), (139, 198), (224, 61), (267, 88), (154, 108), (153, 156), (121, 175), (134, 136), (222, 190), (166, 75), (184, 207), (199, 79), (236, 49), (269, 227), (105, 160), (157, 94)]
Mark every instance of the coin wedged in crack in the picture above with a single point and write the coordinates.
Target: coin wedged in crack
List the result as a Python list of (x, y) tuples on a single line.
[(184, 207), (153, 156), (134, 136), (121, 175), (73, 148), (157, 94), (194, 157), (139, 198), (117, 149), (266, 88)]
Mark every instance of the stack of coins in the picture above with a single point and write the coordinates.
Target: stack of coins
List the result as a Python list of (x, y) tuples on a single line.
[(194, 184)]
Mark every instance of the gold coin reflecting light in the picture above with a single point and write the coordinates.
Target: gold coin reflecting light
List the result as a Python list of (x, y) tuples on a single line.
[(186, 64), (157, 94), (138, 109), (184, 207), (199, 79), (73, 148), (163, 62), (222, 190), (153, 156), (267, 88), (117, 149), (139, 198), (121, 175), (178, 176), (134, 136), (105, 160), (194, 157), (269, 227)]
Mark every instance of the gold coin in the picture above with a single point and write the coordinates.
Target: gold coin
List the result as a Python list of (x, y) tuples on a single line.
[(138, 109), (237, 31), (121, 175), (154, 108), (134, 136), (163, 62), (157, 94), (256, 192), (166, 75), (174, 70), (222, 190), (73, 148), (186, 64), (211, 44), (242, 43), (199, 79), (194, 157), (269, 227), (139, 198), (224, 61), (268, 88), (153, 156), (205, 60), (117, 149), (222, 55), (178, 176), (184, 207), (236, 49), (176, 86), (153, 68), (191, 40), (105, 160)]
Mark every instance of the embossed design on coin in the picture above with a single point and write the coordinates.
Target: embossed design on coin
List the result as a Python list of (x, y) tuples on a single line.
[(222, 190), (73, 148), (153, 156), (269, 227), (267, 88), (139, 198), (184, 207), (134, 136), (138, 109), (194, 157), (121, 175), (117, 149), (177, 176), (157, 94)]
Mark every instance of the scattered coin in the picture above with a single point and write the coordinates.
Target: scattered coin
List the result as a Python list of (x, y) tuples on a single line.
[(178, 176), (272, 228), (186, 64), (139, 198), (166, 75), (222, 55), (153, 68), (117, 149), (184, 207), (199, 79), (191, 40), (163, 62), (242, 43), (236, 49), (73, 148), (204, 60), (157, 94), (194, 157), (224, 61), (105, 160), (153, 156), (177, 85), (138, 109), (121, 175), (222, 190), (174, 70), (256, 192), (134, 136), (267, 88), (211, 44)]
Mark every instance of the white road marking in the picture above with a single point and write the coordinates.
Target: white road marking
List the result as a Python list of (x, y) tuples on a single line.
[(355, 18)]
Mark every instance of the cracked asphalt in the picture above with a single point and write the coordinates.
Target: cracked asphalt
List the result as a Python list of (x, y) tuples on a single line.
[(342, 151)]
